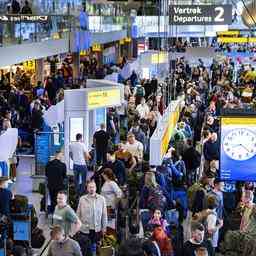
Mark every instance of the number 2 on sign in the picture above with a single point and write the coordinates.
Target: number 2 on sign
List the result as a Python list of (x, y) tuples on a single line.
[(220, 14)]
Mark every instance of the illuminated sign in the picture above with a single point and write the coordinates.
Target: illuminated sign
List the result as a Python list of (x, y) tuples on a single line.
[(29, 65), (84, 53), (121, 42), (104, 98), (127, 39), (200, 14), (229, 33), (158, 58), (238, 40), (23, 18), (96, 47), (238, 148)]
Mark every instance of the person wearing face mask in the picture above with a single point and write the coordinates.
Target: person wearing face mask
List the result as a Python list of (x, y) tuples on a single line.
[(92, 211), (62, 245), (196, 240), (5, 197)]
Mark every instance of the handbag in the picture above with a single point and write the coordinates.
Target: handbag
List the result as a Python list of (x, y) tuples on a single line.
[(107, 247)]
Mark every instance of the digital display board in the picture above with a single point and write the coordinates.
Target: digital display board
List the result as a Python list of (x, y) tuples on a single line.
[(238, 149), (104, 98)]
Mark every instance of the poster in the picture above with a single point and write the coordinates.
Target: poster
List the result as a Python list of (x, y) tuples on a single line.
[(238, 148), (76, 126)]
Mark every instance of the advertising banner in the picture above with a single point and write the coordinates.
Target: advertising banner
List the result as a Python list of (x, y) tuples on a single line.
[(238, 148), (200, 14)]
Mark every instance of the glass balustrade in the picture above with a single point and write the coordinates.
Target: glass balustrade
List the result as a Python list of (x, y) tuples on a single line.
[(20, 29)]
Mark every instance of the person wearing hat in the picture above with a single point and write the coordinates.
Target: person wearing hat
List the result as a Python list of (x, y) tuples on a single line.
[(5, 196)]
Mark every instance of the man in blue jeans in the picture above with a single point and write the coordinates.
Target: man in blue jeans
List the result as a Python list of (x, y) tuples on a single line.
[(79, 155)]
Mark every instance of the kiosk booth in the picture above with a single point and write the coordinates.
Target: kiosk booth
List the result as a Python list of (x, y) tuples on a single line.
[(85, 109)]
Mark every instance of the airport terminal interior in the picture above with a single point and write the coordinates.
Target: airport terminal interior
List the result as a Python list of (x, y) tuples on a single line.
[(127, 128)]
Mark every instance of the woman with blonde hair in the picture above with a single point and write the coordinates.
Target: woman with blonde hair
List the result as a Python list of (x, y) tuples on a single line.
[(152, 196)]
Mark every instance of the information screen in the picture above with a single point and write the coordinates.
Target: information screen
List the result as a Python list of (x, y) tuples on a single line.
[(238, 148)]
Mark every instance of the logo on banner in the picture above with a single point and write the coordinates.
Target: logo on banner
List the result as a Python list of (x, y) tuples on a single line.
[(200, 14), (23, 18)]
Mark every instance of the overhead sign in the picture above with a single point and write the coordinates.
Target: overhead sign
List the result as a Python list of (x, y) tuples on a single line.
[(23, 18), (200, 14), (104, 98), (229, 33), (29, 65), (238, 40), (96, 47), (238, 148), (159, 58)]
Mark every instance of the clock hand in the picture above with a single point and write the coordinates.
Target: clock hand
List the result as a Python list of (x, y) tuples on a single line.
[(245, 147), (236, 145)]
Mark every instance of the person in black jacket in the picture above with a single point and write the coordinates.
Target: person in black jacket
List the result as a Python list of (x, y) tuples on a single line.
[(37, 117), (5, 197), (192, 159), (101, 141), (26, 9), (56, 174), (197, 241)]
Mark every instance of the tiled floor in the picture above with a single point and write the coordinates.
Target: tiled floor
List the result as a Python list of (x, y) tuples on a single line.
[(24, 186)]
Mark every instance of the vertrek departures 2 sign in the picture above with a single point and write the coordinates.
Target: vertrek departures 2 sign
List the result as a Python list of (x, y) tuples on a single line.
[(200, 14)]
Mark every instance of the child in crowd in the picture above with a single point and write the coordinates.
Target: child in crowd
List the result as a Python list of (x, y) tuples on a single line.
[(158, 220)]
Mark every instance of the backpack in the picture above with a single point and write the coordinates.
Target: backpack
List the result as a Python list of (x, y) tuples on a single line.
[(192, 194), (156, 199), (140, 91)]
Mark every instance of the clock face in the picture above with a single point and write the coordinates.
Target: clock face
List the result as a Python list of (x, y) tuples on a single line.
[(240, 144)]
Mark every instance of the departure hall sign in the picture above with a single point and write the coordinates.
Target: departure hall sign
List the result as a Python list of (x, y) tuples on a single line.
[(200, 14)]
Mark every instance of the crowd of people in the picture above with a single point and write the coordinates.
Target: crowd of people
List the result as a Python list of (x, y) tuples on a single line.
[(15, 7), (235, 47), (116, 200)]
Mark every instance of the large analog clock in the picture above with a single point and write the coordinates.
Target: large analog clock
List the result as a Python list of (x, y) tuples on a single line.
[(240, 144)]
